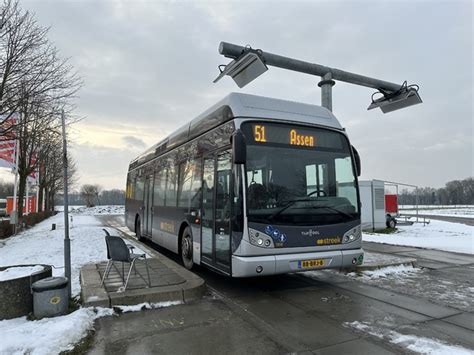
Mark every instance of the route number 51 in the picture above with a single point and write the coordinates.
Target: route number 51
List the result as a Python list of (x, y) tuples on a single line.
[(259, 133)]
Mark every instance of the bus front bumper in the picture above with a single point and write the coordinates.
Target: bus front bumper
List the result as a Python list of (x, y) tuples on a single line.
[(281, 264)]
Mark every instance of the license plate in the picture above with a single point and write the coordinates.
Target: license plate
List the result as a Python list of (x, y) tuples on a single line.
[(307, 264)]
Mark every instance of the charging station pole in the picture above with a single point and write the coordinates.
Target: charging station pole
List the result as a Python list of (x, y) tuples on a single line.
[(395, 96)]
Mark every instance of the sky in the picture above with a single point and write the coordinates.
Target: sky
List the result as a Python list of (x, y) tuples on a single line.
[(148, 68)]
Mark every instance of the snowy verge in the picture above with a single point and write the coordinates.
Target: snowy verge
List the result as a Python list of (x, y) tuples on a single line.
[(54, 335), (94, 211), (48, 335), (99, 210), (417, 344), (440, 235), (389, 271), (146, 305), (17, 272), (41, 245)]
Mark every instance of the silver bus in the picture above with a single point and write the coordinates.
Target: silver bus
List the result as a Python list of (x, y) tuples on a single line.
[(252, 186)]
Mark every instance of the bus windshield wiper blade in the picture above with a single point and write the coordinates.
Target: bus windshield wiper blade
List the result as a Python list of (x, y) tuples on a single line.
[(288, 205), (333, 209)]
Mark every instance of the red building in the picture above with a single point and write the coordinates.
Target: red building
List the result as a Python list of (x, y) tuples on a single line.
[(31, 204)]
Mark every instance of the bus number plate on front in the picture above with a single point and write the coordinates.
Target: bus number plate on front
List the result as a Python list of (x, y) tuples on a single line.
[(307, 264)]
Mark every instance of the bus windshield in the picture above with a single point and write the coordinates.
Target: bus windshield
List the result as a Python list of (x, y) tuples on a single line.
[(299, 176)]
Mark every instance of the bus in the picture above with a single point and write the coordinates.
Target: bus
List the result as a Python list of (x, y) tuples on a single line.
[(253, 186)]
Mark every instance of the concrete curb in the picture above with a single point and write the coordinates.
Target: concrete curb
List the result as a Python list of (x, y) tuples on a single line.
[(93, 294)]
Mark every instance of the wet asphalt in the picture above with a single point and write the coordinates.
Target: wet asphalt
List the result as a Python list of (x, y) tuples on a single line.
[(320, 312)]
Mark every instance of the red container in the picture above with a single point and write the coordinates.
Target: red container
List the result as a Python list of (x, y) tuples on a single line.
[(31, 201), (391, 204)]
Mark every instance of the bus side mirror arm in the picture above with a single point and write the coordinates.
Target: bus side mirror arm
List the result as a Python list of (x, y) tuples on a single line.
[(357, 160), (239, 147)]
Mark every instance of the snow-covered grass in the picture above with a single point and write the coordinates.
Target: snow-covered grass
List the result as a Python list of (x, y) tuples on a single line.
[(94, 211), (417, 344), (41, 245), (408, 207), (48, 335), (53, 335), (439, 235), (98, 210), (466, 212), (19, 271)]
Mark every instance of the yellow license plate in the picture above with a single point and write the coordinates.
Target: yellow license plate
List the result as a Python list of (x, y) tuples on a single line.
[(306, 264)]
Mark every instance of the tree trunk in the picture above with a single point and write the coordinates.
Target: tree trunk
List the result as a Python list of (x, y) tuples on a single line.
[(40, 198)]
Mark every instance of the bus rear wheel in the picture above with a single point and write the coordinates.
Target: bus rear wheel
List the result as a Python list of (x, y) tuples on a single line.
[(187, 249)]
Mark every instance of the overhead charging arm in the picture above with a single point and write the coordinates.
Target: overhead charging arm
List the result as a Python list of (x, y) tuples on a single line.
[(327, 74)]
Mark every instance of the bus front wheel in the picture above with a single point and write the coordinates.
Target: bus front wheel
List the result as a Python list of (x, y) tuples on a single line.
[(187, 249)]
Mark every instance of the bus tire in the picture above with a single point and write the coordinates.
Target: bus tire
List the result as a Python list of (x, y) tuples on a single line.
[(187, 248)]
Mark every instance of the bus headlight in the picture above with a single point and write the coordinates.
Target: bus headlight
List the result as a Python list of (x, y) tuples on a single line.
[(351, 235), (260, 239)]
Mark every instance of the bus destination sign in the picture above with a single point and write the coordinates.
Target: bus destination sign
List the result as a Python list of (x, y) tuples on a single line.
[(283, 135)]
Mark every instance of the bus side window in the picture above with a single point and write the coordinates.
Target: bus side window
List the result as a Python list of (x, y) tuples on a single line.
[(184, 184), (139, 188), (160, 186), (196, 190), (171, 186)]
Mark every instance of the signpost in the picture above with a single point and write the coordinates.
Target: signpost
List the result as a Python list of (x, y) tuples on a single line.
[(67, 242)]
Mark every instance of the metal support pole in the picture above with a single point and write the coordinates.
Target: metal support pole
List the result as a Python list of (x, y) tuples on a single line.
[(14, 216), (233, 51), (67, 242), (326, 85), (27, 207)]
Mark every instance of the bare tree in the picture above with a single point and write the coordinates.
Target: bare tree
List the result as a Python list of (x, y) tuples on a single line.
[(35, 82), (90, 193)]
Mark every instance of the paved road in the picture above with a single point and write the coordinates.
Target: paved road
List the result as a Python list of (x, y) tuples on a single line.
[(463, 220), (316, 312)]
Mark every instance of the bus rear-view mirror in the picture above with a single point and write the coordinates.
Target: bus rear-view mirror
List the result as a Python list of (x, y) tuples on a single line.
[(357, 160), (239, 147)]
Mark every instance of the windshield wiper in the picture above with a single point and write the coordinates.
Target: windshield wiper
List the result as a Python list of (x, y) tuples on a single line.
[(288, 205), (333, 209)]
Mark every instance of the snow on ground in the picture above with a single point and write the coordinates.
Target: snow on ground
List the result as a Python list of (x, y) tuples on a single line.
[(43, 246), (439, 235), (98, 210), (146, 305), (417, 344), (389, 271), (19, 271), (466, 212), (94, 211), (48, 335), (436, 287)]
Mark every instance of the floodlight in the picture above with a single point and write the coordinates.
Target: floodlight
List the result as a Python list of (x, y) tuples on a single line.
[(244, 69), (395, 101)]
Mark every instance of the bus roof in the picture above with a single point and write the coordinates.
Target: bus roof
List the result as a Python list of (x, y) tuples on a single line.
[(237, 105)]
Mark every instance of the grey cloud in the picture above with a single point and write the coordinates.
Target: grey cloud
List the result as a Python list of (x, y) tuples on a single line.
[(151, 64), (133, 142)]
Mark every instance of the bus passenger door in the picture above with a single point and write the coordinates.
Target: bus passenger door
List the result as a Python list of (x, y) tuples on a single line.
[(216, 211), (148, 206)]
